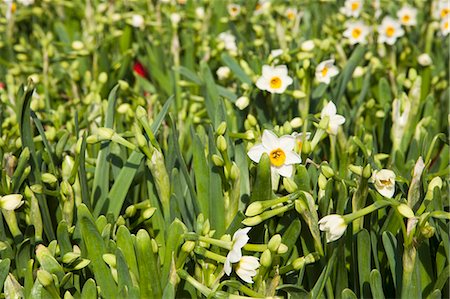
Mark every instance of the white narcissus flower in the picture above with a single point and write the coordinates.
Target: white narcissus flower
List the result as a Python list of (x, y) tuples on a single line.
[(11, 202), (334, 227), (240, 238), (325, 70), (274, 79), (291, 13), (26, 2), (307, 46), (352, 8), (356, 32), (262, 6), (137, 21), (389, 30), (223, 72), (246, 269), (200, 12), (229, 41), (445, 26), (441, 9), (234, 10), (384, 181), (407, 15), (334, 119), (280, 150)]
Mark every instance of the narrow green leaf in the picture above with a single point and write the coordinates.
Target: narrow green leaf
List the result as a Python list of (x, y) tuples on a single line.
[(190, 75), (392, 253), (236, 69), (316, 291), (123, 276), (173, 242), (119, 190), (95, 247), (348, 294), (4, 270), (364, 265), (376, 284), (262, 188), (202, 178), (149, 274)]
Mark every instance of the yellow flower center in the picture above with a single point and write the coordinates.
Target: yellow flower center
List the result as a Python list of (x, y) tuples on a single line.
[(234, 9), (275, 82), (385, 182), (13, 7), (355, 6), (356, 32), (290, 15), (277, 157), (445, 12), (299, 145), (258, 6), (324, 71), (406, 18), (446, 25), (390, 31)]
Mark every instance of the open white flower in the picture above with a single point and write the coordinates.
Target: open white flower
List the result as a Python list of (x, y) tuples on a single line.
[(234, 9), (240, 238), (274, 79), (228, 40), (441, 9), (334, 119), (137, 21), (384, 181), (407, 15), (334, 227), (291, 13), (262, 6), (356, 32), (444, 26), (325, 70), (280, 150), (26, 2), (246, 269), (11, 202), (352, 8), (389, 30)]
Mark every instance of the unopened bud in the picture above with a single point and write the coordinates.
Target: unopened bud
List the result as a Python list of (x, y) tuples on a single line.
[(274, 243), (221, 143), (266, 258), (306, 147), (355, 169), (148, 213), (289, 185), (242, 102), (49, 178), (252, 120), (45, 278), (206, 227), (36, 188), (124, 85), (282, 249), (405, 210), (130, 211), (367, 171), (427, 230), (254, 209), (322, 182), (296, 122), (221, 128), (188, 246), (235, 172), (327, 171), (217, 160)]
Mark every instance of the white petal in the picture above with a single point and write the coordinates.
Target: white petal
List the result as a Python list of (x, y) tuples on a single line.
[(262, 83), (285, 170), (256, 152), (287, 143), (338, 119), (241, 232), (333, 71), (240, 242), (234, 255), (328, 110), (249, 262), (267, 70), (269, 140), (280, 70), (245, 275), (227, 267), (292, 158)]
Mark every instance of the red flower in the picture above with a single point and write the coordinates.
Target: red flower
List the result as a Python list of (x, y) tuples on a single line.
[(139, 69)]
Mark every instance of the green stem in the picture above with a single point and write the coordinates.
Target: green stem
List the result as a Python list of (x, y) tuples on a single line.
[(255, 247), (200, 287)]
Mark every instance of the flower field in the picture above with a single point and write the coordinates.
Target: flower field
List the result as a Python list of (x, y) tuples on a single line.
[(224, 149)]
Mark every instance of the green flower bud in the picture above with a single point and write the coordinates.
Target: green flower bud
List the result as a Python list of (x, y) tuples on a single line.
[(124, 85), (300, 206), (282, 249), (45, 278), (252, 120), (130, 211), (296, 122), (103, 77), (255, 208), (188, 246), (36, 188), (322, 182), (266, 258), (206, 227), (358, 170), (367, 171), (235, 172), (141, 112), (249, 135), (217, 160), (327, 171), (67, 166), (274, 243), (49, 178), (221, 143), (290, 185), (306, 147), (221, 128), (148, 213), (427, 230), (298, 94)]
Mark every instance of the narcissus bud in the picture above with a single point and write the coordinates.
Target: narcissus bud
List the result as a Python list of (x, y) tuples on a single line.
[(327, 171), (217, 160), (221, 143), (221, 128), (274, 243), (266, 258)]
